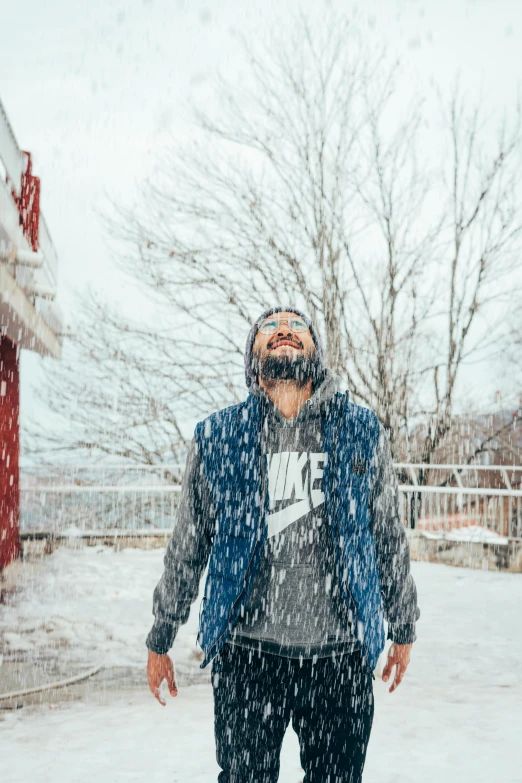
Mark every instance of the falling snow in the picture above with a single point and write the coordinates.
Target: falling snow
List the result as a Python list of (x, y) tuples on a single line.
[(462, 691)]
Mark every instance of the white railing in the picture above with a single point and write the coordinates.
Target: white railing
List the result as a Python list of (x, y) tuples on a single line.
[(119, 496), (471, 473), (83, 497), (485, 505)]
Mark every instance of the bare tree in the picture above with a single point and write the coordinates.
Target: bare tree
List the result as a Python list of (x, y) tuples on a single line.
[(311, 184), (510, 358), (483, 214)]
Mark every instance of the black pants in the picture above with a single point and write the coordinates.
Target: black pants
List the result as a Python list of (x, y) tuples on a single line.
[(330, 704)]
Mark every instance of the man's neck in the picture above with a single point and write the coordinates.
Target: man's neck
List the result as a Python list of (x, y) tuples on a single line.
[(287, 396)]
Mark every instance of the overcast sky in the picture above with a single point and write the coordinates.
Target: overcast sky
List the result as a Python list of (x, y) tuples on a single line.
[(95, 89)]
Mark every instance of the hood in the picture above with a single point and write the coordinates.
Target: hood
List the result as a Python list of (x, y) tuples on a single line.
[(326, 386), (250, 377)]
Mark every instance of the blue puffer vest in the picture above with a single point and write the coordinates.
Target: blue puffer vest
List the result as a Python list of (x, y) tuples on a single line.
[(229, 443)]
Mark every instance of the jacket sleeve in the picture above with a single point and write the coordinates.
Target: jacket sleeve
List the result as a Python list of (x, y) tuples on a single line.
[(187, 554), (393, 552)]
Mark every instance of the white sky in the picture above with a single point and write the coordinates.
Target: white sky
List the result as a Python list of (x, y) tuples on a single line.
[(94, 89)]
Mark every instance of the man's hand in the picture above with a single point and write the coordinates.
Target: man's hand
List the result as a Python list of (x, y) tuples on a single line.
[(398, 656), (159, 668)]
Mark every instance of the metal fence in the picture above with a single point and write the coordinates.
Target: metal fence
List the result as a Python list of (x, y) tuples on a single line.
[(144, 497), (82, 498), (479, 499)]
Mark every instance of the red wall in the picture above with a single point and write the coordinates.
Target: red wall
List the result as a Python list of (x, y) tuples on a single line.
[(9, 451)]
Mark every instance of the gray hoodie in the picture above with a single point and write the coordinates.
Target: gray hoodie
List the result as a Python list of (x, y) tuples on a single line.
[(294, 608)]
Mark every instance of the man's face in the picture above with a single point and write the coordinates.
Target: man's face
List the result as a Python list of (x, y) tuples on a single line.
[(285, 354)]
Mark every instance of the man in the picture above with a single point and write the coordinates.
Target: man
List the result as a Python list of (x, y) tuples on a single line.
[(291, 499)]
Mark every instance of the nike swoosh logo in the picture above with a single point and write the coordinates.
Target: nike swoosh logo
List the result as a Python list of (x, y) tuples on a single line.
[(279, 520)]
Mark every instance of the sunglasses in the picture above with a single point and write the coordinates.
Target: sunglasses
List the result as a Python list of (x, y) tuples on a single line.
[(272, 324)]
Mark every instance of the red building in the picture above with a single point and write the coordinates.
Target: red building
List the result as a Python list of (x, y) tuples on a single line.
[(29, 318)]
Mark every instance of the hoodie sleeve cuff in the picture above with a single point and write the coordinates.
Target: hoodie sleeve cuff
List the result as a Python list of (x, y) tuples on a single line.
[(161, 637), (402, 633)]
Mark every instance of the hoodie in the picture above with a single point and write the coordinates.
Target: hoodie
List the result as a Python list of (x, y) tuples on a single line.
[(294, 608)]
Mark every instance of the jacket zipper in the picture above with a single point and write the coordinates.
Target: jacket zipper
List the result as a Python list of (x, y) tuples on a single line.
[(354, 605), (340, 559)]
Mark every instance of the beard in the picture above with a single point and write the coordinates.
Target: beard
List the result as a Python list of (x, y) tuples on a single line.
[(288, 367)]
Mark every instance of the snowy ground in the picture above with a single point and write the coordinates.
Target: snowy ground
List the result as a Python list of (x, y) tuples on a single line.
[(89, 606), (456, 717)]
